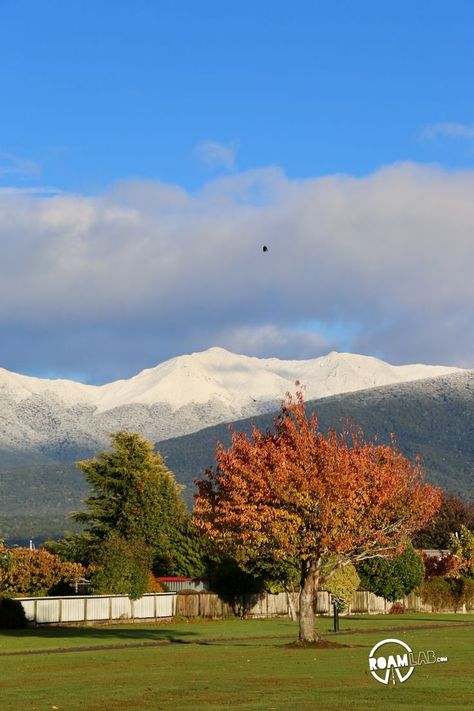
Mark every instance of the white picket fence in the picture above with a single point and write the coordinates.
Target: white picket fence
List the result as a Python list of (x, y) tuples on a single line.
[(154, 606), (98, 608)]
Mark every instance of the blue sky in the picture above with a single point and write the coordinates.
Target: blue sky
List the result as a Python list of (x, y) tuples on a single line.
[(95, 91), (120, 106)]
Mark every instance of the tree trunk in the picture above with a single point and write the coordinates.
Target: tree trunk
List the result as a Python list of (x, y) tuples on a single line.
[(309, 581), (292, 596)]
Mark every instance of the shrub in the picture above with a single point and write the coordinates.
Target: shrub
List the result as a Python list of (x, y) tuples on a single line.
[(342, 585), (437, 593), (448, 593), (12, 614), (467, 592), (398, 608)]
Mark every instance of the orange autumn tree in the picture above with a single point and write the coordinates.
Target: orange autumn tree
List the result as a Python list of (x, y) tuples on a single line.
[(296, 493), (35, 572)]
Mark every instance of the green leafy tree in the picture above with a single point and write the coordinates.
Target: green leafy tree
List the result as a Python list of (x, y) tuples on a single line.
[(122, 566), (230, 580), (277, 575), (392, 578)]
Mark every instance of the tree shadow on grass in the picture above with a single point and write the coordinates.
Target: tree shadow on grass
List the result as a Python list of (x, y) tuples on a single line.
[(158, 633), (408, 618), (68, 639)]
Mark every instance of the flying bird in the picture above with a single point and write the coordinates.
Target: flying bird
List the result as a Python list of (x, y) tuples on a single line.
[(265, 248)]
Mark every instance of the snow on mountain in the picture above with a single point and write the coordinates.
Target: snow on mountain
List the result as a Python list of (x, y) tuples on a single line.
[(217, 373), (177, 397)]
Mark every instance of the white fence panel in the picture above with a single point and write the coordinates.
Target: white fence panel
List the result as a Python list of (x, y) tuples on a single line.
[(322, 602), (29, 608), (165, 604), (144, 608), (47, 610), (98, 608), (277, 604), (377, 605), (121, 608), (360, 602), (73, 609), (257, 606)]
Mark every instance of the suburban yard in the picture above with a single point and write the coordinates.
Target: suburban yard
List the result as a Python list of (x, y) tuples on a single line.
[(232, 664)]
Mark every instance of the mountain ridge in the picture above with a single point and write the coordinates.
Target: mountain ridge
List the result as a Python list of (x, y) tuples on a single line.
[(432, 417), (59, 420)]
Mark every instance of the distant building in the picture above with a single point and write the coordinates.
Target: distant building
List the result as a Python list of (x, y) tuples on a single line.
[(434, 552), (175, 584)]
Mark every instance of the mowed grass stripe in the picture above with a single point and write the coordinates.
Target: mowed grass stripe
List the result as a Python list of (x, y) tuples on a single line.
[(42, 638), (226, 640), (245, 670)]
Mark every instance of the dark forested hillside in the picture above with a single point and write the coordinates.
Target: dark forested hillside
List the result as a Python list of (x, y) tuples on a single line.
[(432, 418), (35, 500)]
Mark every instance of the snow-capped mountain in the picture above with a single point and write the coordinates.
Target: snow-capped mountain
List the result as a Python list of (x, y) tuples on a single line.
[(60, 418)]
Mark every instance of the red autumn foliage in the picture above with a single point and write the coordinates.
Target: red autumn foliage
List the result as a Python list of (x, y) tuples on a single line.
[(298, 493)]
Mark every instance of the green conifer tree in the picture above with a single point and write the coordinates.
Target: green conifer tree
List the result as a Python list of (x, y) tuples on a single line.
[(133, 494), (134, 501)]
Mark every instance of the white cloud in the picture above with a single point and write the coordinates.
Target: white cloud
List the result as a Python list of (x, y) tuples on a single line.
[(155, 271), (33, 191), (267, 339), (448, 130), (216, 155), (11, 164)]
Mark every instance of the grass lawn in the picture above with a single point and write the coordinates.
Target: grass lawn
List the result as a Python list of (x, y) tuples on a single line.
[(232, 664)]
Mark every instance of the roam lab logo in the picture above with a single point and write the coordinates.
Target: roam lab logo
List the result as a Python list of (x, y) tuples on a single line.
[(394, 659)]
